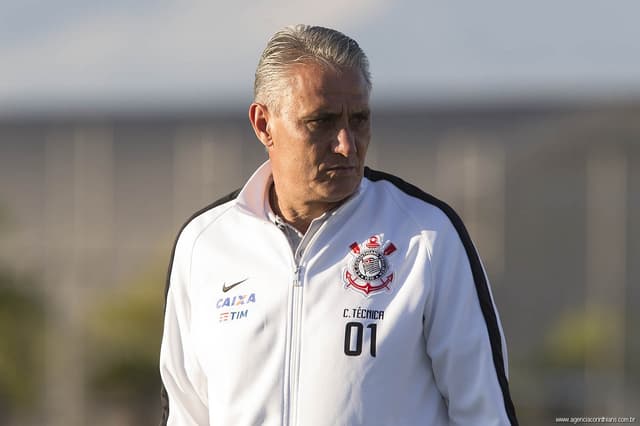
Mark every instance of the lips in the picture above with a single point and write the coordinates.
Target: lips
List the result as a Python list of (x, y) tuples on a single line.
[(341, 171), (331, 168)]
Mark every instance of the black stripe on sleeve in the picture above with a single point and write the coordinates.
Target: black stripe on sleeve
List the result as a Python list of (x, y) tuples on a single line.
[(225, 199), (479, 279), (164, 397)]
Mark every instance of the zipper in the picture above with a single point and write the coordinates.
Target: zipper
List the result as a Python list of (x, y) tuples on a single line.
[(292, 361), (296, 343), (295, 330)]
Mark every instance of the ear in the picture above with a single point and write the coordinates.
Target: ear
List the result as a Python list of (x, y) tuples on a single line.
[(259, 117)]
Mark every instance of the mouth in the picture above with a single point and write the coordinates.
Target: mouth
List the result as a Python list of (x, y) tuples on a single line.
[(340, 168), (341, 172)]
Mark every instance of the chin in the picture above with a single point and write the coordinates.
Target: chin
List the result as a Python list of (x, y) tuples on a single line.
[(340, 189)]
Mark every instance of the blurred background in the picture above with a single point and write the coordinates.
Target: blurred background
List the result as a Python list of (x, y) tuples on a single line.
[(119, 119)]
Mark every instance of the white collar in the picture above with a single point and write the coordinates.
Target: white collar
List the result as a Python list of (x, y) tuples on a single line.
[(254, 196)]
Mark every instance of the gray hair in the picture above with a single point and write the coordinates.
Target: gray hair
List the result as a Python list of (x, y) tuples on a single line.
[(304, 44)]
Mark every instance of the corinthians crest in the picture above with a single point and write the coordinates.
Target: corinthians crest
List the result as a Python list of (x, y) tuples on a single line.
[(368, 270)]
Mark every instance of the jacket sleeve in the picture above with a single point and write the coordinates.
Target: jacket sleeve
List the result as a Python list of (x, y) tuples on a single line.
[(184, 382), (463, 334)]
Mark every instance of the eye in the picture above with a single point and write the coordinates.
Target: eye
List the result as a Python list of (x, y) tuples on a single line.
[(359, 119), (320, 122)]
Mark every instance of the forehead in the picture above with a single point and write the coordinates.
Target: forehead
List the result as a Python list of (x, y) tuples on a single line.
[(313, 87)]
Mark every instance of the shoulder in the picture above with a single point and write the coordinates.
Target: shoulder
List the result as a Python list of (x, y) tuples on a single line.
[(198, 222), (424, 208), (204, 217), (440, 221), (194, 226)]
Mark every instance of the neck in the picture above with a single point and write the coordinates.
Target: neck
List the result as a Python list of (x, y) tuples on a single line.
[(298, 215)]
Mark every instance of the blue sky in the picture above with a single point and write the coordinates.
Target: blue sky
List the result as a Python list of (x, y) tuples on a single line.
[(73, 54)]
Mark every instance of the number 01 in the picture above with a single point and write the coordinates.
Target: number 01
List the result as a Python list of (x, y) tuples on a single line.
[(359, 332)]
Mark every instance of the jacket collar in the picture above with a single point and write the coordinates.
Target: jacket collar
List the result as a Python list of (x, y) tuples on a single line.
[(252, 197)]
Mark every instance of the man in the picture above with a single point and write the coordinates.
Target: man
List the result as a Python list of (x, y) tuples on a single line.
[(325, 293)]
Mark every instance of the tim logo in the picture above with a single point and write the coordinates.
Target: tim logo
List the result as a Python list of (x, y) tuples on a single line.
[(232, 316)]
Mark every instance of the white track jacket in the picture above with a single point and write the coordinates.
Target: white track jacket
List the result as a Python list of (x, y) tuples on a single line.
[(382, 317)]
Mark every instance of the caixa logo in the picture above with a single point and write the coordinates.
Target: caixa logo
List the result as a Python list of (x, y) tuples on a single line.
[(242, 299), (228, 303)]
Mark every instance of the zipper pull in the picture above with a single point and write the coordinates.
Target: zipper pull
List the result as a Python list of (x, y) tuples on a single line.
[(297, 282)]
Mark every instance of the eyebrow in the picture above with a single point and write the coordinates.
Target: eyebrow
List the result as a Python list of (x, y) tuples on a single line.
[(333, 114), (362, 112), (320, 115)]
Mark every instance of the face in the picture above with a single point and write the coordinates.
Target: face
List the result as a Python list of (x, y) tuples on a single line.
[(318, 139)]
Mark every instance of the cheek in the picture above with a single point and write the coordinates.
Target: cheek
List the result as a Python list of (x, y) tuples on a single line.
[(362, 150), (363, 144), (303, 159)]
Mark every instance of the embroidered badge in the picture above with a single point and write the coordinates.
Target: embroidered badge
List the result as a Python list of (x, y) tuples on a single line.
[(368, 270)]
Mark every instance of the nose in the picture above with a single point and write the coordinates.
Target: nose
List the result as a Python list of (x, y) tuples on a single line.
[(345, 143)]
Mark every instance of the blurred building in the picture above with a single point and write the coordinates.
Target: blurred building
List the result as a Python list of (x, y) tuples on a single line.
[(549, 193)]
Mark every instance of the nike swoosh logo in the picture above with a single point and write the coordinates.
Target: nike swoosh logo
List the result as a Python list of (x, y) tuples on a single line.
[(226, 288)]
